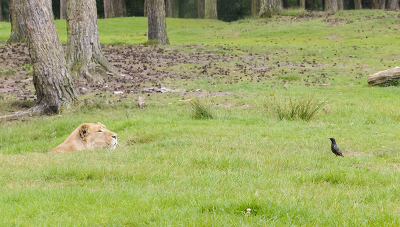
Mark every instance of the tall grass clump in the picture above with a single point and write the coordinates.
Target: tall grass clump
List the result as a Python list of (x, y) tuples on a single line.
[(202, 108), (294, 109)]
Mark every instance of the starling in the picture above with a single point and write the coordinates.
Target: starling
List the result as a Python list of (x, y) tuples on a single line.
[(335, 148)]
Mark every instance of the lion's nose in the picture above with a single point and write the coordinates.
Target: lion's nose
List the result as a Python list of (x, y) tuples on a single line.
[(114, 136)]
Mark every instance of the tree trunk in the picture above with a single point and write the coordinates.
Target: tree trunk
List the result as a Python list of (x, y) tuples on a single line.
[(157, 28), (84, 56), (17, 27), (255, 7), (382, 4), (210, 9), (375, 4), (334, 5), (1, 13), (340, 4), (114, 8), (303, 4), (200, 9), (328, 5), (393, 4), (63, 9), (51, 79), (170, 8), (145, 8), (357, 4)]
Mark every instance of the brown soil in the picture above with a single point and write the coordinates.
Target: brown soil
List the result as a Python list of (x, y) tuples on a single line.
[(142, 66)]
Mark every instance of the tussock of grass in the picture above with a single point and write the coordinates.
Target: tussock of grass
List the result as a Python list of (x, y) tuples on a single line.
[(202, 108), (297, 108)]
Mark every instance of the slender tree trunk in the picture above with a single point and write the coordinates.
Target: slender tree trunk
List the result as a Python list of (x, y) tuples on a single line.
[(84, 56), (357, 4), (1, 13), (114, 8), (156, 21), (200, 9), (170, 8), (393, 4), (303, 4), (17, 27), (51, 79), (145, 8), (63, 9), (210, 9)]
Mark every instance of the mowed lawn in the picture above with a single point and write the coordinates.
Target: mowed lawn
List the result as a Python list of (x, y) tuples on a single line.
[(171, 169)]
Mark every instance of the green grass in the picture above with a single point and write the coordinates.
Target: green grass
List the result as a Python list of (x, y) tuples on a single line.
[(171, 169)]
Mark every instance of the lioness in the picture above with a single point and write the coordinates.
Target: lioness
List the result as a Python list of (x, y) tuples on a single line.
[(88, 136)]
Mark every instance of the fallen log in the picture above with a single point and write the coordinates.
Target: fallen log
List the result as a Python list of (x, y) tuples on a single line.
[(387, 77)]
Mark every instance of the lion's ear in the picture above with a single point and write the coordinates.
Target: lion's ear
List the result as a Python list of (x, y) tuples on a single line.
[(98, 123), (84, 131)]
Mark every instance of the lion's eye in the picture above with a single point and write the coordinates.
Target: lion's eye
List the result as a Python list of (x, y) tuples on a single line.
[(100, 131)]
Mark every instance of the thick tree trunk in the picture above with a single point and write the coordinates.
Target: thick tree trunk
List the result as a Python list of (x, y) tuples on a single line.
[(269, 7), (84, 56), (340, 4), (51, 79), (170, 8), (157, 27), (375, 4), (200, 9), (63, 9), (210, 9), (334, 5), (17, 27), (114, 8), (357, 4), (382, 4), (393, 4)]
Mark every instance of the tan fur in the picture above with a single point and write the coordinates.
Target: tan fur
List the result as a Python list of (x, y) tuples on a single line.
[(88, 136)]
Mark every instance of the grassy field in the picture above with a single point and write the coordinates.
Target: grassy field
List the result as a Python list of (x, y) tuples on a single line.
[(172, 169)]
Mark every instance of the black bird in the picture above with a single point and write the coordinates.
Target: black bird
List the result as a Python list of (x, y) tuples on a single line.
[(335, 148)]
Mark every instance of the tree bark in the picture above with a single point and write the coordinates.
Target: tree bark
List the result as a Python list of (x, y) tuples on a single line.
[(51, 79), (170, 8), (114, 8), (303, 4), (393, 4), (145, 8), (340, 4), (210, 9), (63, 9), (17, 27), (84, 56), (157, 28), (255, 7), (382, 4), (357, 4), (200, 9), (1, 13), (375, 4)]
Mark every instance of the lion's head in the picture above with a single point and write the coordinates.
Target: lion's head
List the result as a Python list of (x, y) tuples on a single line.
[(88, 136)]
